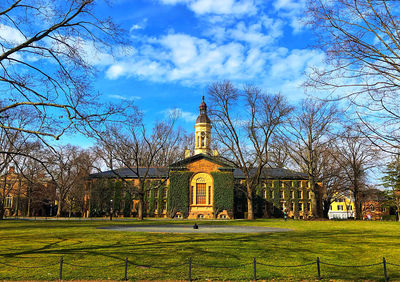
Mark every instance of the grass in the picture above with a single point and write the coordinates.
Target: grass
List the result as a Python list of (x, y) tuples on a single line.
[(42, 243)]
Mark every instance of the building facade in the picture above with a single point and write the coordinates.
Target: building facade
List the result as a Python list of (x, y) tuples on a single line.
[(204, 185)]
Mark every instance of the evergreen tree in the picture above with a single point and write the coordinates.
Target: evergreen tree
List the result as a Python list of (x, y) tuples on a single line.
[(391, 181)]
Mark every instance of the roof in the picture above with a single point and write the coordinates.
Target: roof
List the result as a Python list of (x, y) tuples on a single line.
[(274, 173), (217, 160), (153, 172), (162, 172)]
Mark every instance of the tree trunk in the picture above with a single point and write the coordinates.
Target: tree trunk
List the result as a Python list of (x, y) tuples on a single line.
[(250, 210), (2, 211), (59, 208), (357, 204), (140, 207), (327, 204)]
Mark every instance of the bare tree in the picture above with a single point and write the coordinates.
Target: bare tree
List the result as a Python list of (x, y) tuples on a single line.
[(47, 63), (244, 124), (68, 166), (356, 155), (131, 146), (306, 136), (332, 176), (362, 44)]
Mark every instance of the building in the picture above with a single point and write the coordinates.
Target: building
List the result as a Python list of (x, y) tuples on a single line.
[(372, 206), (201, 186), (23, 197), (341, 208)]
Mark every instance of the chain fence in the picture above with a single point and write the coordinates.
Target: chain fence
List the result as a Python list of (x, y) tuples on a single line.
[(190, 266)]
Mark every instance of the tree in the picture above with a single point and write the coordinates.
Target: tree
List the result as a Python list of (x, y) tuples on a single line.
[(360, 39), (68, 166), (305, 137), (129, 145), (356, 155), (14, 146), (244, 124), (331, 174), (391, 181), (47, 64)]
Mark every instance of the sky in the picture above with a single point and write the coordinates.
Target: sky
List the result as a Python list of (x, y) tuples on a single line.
[(178, 47)]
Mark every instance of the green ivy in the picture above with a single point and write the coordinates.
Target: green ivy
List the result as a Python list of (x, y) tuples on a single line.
[(117, 195), (295, 185), (178, 196), (127, 204), (160, 200), (305, 200), (223, 191)]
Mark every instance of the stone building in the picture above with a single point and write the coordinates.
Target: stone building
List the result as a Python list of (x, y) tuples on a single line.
[(205, 186)]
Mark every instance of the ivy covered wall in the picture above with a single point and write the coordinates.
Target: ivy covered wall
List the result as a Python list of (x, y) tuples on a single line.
[(223, 192), (270, 203), (178, 194)]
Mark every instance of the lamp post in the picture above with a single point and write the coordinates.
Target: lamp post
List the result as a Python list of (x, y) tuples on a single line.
[(111, 209)]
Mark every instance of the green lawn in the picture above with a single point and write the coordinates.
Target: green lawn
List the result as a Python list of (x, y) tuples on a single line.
[(40, 243)]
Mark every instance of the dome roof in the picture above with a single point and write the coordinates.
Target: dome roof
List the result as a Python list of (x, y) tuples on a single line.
[(203, 118)]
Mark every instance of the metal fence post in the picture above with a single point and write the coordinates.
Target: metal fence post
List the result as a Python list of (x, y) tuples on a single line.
[(190, 270), (61, 267), (319, 270), (384, 269), (255, 268), (126, 269)]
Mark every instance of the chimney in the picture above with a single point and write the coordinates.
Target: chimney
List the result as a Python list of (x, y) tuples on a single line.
[(187, 153)]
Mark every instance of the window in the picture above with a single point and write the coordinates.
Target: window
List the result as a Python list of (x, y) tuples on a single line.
[(148, 193), (282, 194), (155, 205), (156, 193), (308, 194), (300, 206), (164, 205), (340, 207), (201, 193), (349, 207), (291, 206), (271, 194), (372, 208), (165, 192), (308, 206), (292, 194), (209, 194), (264, 195), (200, 216), (8, 203), (300, 194)]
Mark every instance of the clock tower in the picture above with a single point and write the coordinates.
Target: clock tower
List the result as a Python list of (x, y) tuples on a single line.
[(203, 131)]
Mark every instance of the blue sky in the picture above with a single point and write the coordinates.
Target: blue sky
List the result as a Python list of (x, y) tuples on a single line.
[(178, 47)]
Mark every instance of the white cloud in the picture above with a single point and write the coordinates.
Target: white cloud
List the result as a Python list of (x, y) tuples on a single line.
[(190, 60), (138, 26), (120, 97), (11, 35), (218, 7), (292, 10), (186, 116), (295, 63)]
